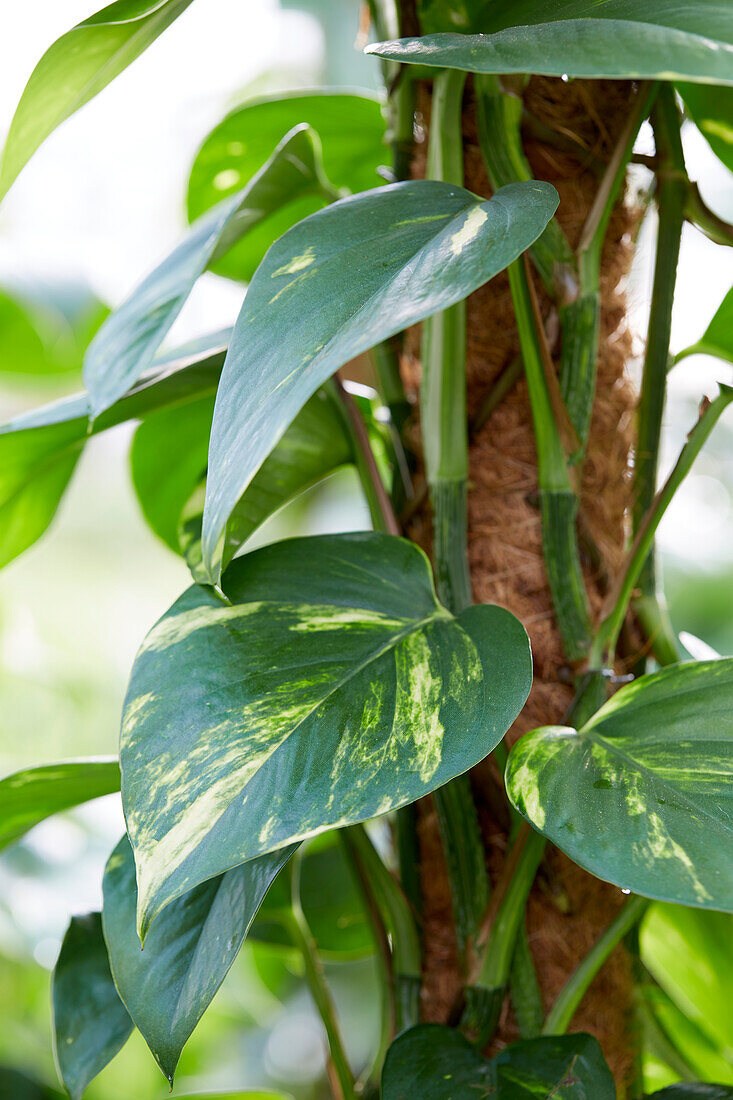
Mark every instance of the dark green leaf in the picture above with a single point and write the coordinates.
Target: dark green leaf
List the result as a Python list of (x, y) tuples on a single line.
[(717, 339), (351, 129), (692, 1090), (437, 1063), (642, 794), (169, 456), (91, 1023), (711, 109), (331, 900), (332, 688), (18, 1086), (688, 951), (623, 39), (76, 67), (39, 450), (125, 345), (335, 285), (188, 952), (29, 796)]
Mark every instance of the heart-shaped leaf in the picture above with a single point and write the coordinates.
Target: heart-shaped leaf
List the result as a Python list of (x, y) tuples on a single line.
[(351, 128), (717, 339), (76, 67), (616, 39), (332, 688), (711, 109), (189, 950), (29, 796), (91, 1023), (438, 1063), (642, 794), (335, 285), (39, 450), (127, 342)]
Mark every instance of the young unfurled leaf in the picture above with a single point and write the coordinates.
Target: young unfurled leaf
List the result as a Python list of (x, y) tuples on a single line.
[(331, 688), (76, 67), (39, 450), (438, 1063), (29, 796), (91, 1023), (717, 339), (125, 345), (711, 109), (189, 950), (621, 39), (641, 795), (351, 128), (335, 285)]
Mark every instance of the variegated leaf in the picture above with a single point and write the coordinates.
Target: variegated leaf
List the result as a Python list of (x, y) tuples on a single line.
[(333, 687), (642, 795)]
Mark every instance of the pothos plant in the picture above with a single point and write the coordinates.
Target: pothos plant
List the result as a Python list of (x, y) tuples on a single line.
[(302, 689)]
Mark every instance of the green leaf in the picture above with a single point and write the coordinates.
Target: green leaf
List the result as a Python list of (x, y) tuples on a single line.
[(44, 331), (438, 1063), (678, 1041), (333, 687), (335, 285), (688, 953), (237, 1096), (641, 795), (351, 128), (717, 339), (711, 109), (29, 796), (169, 457), (693, 1090), (188, 952), (91, 1023), (39, 450), (125, 345), (78, 66), (18, 1086), (615, 39), (331, 900)]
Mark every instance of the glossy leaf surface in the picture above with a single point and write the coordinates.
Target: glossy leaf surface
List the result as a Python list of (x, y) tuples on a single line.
[(29, 796), (438, 1063), (624, 39), (711, 109), (332, 688), (351, 128), (39, 450), (126, 344), (78, 66), (91, 1023), (642, 796), (189, 949), (334, 286)]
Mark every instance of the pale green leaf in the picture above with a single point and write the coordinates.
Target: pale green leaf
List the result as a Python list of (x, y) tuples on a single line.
[(126, 344), (717, 339), (642, 796), (711, 109), (78, 66), (91, 1023), (189, 949), (433, 1062), (693, 1090), (615, 39), (332, 688), (351, 127), (29, 796), (335, 285)]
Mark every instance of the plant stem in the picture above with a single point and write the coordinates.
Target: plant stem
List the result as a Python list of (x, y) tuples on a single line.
[(303, 940), (580, 318), (671, 193), (560, 1015), (380, 506), (398, 919), (558, 501), (604, 643), (702, 217), (485, 996)]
